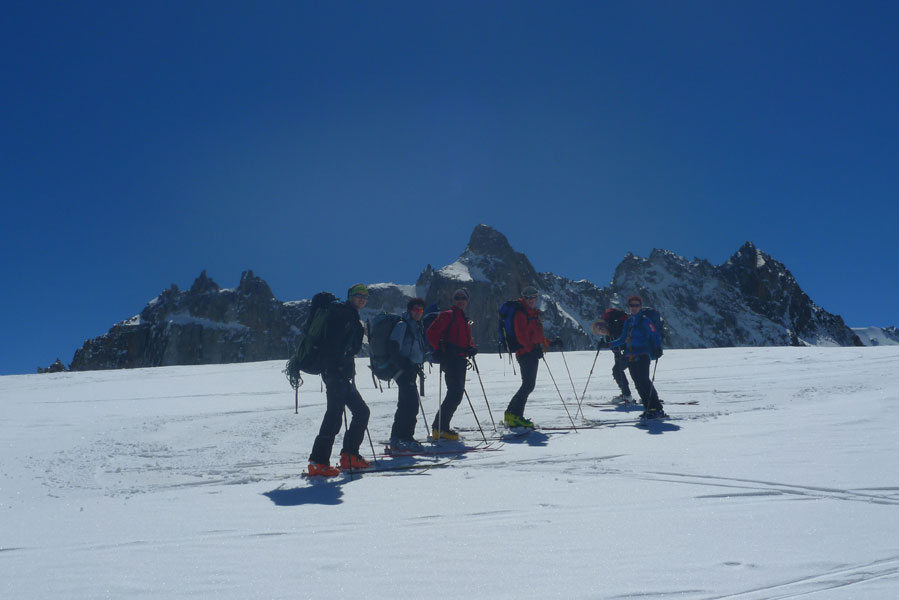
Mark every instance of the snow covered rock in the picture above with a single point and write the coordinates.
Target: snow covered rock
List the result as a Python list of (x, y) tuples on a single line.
[(205, 325), (750, 300), (878, 336)]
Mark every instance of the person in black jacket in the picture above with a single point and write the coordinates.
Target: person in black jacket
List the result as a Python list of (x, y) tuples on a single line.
[(342, 341), (612, 324)]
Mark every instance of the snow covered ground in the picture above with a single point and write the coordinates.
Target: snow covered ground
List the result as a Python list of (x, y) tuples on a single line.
[(781, 481)]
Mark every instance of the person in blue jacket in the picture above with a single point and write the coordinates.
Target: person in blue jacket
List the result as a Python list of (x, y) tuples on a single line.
[(407, 346), (642, 341)]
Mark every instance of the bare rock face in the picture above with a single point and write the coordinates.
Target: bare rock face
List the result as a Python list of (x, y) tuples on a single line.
[(751, 300), (56, 367), (205, 325), (491, 271)]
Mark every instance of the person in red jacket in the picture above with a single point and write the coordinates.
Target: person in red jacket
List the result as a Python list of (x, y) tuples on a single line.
[(450, 337), (528, 333)]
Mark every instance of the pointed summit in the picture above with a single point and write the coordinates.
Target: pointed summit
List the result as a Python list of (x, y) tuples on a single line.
[(203, 284), (749, 256), (250, 285), (487, 241)]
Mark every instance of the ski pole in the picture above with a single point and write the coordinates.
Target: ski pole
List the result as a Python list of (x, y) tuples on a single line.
[(439, 400), (475, 416), (562, 352), (652, 383), (584, 395), (296, 399), (548, 370), (511, 362), (370, 443), (421, 405), (481, 381), (424, 416)]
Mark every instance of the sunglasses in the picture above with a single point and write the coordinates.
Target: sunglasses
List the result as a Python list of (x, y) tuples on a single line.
[(457, 298), (418, 309), (635, 305)]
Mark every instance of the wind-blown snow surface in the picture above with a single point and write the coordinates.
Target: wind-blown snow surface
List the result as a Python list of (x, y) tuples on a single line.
[(183, 482)]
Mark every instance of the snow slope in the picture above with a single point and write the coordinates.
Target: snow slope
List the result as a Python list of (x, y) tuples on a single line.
[(877, 336), (182, 482)]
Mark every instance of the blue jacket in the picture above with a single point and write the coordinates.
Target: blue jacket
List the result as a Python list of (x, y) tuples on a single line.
[(639, 336), (409, 335)]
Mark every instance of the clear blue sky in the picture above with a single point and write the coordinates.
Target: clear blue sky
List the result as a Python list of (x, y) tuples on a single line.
[(324, 143)]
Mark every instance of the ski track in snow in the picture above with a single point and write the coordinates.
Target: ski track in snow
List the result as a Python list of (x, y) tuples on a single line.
[(180, 445)]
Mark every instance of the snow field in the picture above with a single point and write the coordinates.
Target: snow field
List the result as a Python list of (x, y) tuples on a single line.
[(183, 482)]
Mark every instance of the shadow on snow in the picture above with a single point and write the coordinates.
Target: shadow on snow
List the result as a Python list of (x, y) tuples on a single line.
[(327, 492)]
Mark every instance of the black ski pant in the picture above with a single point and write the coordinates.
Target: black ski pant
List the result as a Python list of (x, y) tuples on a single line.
[(639, 368), (406, 407), (529, 363), (618, 372), (341, 393), (454, 368)]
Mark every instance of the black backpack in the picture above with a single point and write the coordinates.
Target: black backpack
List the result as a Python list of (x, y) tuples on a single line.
[(308, 357), (614, 319), (379, 328)]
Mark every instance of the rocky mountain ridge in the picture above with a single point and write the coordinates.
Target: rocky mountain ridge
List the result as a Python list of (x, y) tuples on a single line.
[(750, 300)]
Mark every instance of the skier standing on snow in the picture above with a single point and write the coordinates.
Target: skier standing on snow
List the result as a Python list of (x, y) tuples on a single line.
[(612, 324), (450, 336), (341, 342), (641, 341), (407, 345), (529, 334)]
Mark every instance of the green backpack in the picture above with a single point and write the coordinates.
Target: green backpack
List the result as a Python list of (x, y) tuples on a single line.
[(308, 357)]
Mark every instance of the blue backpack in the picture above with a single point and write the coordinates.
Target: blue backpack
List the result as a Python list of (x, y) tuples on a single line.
[(655, 318), (506, 330)]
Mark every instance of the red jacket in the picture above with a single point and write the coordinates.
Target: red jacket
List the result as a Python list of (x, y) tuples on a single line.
[(450, 326), (528, 329)]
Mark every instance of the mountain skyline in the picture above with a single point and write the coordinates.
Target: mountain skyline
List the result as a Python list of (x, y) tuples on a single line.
[(750, 300)]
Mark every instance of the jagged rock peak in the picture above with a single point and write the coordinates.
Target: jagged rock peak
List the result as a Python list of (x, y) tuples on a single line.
[(250, 285), (487, 241), (749, 255), (204, 284)]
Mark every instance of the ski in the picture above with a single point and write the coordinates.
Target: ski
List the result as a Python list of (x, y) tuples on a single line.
[(604, 404), (447, 452), (416, 467), (388, 468)]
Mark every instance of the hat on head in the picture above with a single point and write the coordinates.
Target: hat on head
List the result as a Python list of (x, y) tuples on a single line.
[(461, 292), (529, 292), (357, 290)]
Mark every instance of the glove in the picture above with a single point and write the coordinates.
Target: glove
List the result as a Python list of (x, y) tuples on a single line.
[(471, 351), (603, 343), (556, 343), (658, 352)]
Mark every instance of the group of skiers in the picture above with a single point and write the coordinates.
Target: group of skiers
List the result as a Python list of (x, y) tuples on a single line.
[(635, 341)]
